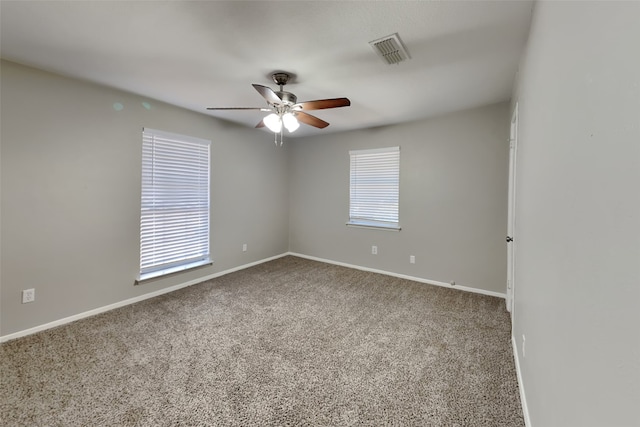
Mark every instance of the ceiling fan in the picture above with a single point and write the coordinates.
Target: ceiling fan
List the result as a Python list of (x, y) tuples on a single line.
[(285, 109)]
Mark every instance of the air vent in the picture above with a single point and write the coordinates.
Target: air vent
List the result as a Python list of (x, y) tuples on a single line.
[(390, 49)]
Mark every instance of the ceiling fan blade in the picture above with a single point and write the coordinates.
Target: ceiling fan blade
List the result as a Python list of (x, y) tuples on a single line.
[(311, 120), (260, 125), (322, 104), (268, 94), (239, 108)]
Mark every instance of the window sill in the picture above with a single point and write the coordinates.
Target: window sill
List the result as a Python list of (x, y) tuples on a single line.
[(375, 225), (148, 277)]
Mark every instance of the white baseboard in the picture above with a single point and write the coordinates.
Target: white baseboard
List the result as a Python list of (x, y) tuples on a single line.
[(131, 300), (404, 276), (523, 398)]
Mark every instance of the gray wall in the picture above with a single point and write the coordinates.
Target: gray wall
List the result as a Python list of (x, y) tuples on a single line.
[(70, 177), (453, 199), (577, 236), (71, 196)]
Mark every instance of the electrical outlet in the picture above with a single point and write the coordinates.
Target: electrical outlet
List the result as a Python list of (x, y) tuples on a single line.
[(412, 259), (244, 247), (28, 295), (374, 250), (524, 354)]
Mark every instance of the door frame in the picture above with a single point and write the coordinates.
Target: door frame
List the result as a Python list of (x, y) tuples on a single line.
[(511, 213)]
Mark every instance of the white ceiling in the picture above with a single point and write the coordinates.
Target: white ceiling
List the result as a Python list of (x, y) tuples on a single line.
[(208, 53)]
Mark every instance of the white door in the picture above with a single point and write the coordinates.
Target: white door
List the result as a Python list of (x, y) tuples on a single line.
[(513, 145)]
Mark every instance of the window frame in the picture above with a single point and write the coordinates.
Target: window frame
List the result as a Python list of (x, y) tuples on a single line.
[(181, 165), (386, 164)]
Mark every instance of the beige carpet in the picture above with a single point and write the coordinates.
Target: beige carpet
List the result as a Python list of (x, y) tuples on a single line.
[(291, 342)]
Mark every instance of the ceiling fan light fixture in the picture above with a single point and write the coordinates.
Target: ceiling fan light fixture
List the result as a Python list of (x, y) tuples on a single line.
[(273, 122), (285, 109), (290, 122)]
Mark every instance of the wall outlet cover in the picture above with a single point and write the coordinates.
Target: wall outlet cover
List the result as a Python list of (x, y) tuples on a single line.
[(28, 295)]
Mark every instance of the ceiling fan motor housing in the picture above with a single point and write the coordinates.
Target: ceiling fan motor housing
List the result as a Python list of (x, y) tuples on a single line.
[(287, 97), (281, 79)]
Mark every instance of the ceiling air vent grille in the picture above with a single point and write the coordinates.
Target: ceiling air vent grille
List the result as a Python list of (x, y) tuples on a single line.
[(390, 49)]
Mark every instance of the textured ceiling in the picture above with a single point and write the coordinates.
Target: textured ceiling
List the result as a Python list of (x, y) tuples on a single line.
[(198, 54)]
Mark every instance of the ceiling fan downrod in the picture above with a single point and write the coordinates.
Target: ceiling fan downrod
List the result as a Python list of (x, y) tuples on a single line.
[(275, 138), (287, 98)]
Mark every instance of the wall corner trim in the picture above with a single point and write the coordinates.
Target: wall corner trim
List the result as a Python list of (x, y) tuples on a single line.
[(523, 398)]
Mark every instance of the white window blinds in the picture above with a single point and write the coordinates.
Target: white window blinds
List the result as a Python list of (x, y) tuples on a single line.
[(174, 221), (374, 187)]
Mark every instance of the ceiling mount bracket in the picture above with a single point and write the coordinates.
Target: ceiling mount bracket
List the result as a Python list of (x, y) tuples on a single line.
[(280, 78)]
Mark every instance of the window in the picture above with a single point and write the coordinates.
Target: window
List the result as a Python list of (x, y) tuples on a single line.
[(174, 220), (374, 188)]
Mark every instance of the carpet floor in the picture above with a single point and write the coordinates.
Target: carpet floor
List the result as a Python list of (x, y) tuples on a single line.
[(290, 342)]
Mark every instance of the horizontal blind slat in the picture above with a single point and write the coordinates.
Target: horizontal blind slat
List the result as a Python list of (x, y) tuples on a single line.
[(174, 220), (374, 185)]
